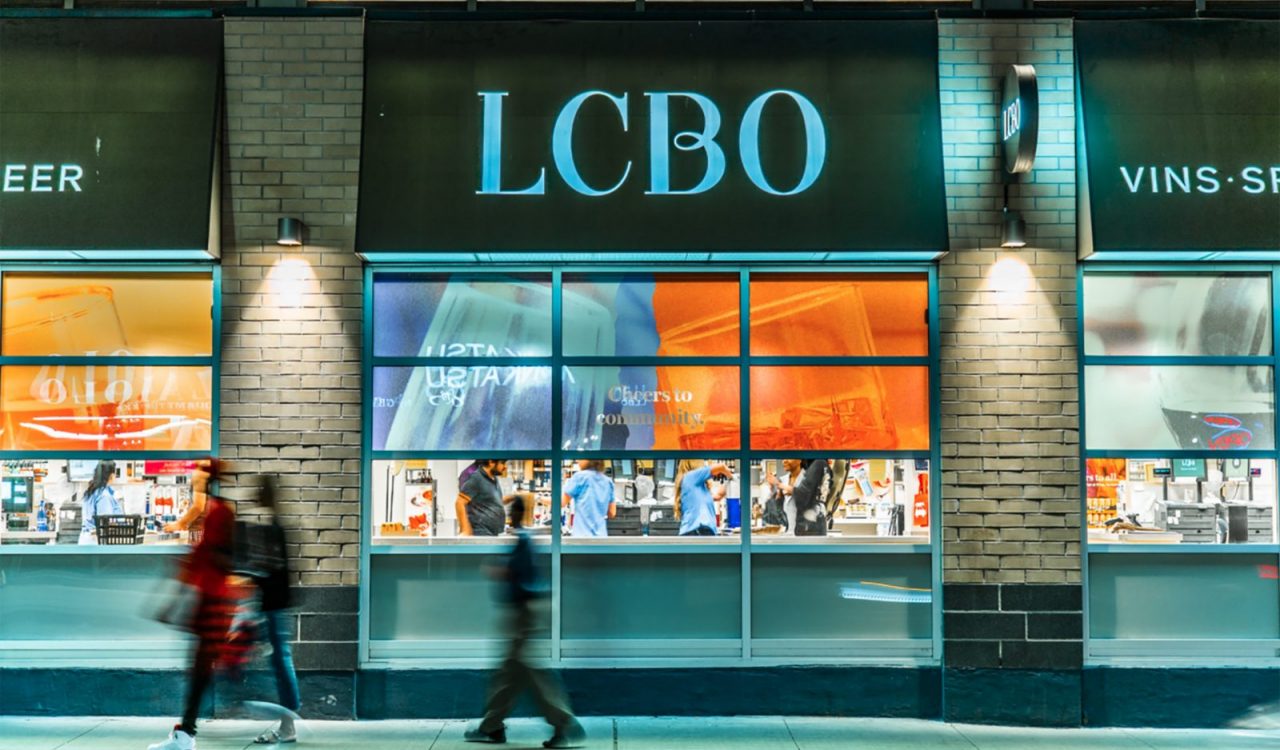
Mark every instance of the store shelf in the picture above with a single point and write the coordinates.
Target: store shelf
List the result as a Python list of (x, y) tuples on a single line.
[(1190, 549)]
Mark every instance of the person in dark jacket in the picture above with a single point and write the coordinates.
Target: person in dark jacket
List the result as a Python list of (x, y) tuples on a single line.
[(811, 494), (273, 584), (522, 589)]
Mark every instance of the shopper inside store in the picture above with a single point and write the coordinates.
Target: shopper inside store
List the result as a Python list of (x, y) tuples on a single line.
[(99, 502)]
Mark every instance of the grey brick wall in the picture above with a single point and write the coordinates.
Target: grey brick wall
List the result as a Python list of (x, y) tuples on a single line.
[(291, 316), (1010, 494), (1010, 426)]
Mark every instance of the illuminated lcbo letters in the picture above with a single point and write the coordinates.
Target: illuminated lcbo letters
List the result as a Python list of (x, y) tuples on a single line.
[(1011, 119), (660, 142)]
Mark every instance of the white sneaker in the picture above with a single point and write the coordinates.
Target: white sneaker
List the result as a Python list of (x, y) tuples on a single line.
[(178, 740)]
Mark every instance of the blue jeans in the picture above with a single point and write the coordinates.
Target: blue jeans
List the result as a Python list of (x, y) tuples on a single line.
[(278, 631)]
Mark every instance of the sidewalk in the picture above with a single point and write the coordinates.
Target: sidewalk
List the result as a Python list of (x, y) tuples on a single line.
[(755, 733)]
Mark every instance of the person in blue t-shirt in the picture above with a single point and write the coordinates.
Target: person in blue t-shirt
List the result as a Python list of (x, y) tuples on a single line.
[(98, 500), (695, 499), (591, 493)]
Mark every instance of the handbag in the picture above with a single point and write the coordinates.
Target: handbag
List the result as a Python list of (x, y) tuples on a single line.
[(177, 606), (243, 640)]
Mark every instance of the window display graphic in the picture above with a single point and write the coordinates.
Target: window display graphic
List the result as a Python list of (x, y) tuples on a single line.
[(806, 408), (1171, 315), (461, 408), (1179, 407), (821, 315), (1171, 405), (106, 407), (439, 316), (107, 315), (651, 408), (648, 315)]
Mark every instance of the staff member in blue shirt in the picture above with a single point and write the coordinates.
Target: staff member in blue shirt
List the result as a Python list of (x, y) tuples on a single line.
[(695, 503), (98, 500), (591, 493)]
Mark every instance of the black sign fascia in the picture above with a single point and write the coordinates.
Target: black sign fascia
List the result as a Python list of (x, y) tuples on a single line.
[(1178, 145), (108, 137), (431, 88)]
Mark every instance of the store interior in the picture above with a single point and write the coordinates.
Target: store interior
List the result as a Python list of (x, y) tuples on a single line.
[(42, 502), (879, 500), (1181, 501)]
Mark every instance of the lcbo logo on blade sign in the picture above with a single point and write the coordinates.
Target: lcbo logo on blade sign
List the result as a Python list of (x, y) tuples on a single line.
[(660, 143)]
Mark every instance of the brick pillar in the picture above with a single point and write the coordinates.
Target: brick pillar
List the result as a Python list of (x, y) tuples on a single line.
[(291, 316), (1010, 425)]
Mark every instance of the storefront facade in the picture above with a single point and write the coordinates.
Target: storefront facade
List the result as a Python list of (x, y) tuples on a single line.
[(1177, 359), (817, 277), (701, 315), (109, 350)]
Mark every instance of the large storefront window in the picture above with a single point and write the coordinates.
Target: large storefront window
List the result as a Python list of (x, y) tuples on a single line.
[(722, 436), (1180, 458), (105, 405)]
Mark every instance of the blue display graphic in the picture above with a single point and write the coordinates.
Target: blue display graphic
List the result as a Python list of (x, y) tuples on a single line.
[(461, 408), (442, 407), (462, 317)]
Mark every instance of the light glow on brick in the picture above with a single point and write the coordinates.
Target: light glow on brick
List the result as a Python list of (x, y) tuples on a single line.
[(289, 282), (1010, 275)]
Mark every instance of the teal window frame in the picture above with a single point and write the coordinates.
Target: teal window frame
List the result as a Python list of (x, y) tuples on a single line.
[(735, 652), (1206, 652), (212, 361), (165, 648)]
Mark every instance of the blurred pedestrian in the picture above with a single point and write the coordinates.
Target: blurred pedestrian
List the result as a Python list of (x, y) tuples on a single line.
[(270, 573), (516, 673), (208, 570)]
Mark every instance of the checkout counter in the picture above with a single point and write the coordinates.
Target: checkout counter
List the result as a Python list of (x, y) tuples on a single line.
[(874, 501), (415, 501), (644, 491), (884, 500), (40, 501), (1181, 501)]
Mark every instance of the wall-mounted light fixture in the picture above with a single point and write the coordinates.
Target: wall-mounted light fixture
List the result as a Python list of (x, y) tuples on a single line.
[(289, 231), (1014, 231)]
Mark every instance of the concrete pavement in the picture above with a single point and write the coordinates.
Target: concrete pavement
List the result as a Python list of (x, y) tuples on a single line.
[(633, 733)]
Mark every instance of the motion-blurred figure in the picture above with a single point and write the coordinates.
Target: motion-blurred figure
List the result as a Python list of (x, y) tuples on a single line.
[(516, 672)]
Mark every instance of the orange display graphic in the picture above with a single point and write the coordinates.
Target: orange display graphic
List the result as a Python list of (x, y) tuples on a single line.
[(107, 315), (845, 315), (709, 419), (1103, 477), (840, 407), (106, 407), (696, 316)]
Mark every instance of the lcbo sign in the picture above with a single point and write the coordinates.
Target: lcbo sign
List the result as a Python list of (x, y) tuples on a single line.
[(660, 143)]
